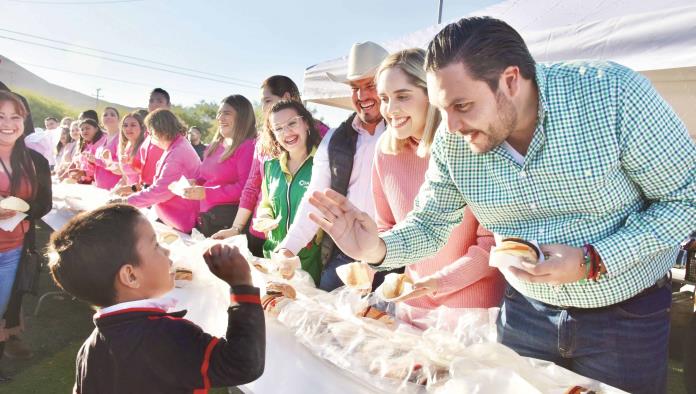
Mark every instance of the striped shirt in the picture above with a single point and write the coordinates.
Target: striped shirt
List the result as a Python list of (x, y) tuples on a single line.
[(609, 164)]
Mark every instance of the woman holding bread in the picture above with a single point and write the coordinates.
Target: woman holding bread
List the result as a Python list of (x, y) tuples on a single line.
[(25, 187), (459, 275)]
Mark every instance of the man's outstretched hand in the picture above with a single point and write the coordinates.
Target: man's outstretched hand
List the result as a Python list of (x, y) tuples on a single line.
[(353, 231)]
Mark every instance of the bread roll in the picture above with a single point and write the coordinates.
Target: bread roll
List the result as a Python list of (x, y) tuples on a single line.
[(14, 204), (519, 248), (183, 274)]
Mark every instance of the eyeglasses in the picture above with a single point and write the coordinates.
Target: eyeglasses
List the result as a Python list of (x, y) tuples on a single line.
[(291, 124)]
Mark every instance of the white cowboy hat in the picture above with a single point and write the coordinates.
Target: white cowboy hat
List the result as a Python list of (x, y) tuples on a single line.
[(363, 61)]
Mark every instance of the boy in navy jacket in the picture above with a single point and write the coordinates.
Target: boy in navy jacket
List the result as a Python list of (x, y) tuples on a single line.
[(110, 258)]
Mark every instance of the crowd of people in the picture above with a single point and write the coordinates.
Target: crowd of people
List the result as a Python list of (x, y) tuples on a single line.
[(447, 150)]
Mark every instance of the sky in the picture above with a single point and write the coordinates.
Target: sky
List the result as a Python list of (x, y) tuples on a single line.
[(234, 44)]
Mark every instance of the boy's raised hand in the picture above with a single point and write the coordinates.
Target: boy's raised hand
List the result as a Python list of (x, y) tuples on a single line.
[(228, 264)]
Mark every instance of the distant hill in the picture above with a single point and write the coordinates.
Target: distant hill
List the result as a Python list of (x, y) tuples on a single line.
[(21, 79)]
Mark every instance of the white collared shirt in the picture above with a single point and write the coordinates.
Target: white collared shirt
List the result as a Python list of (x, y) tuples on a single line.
[(359, 187), (166, 304)]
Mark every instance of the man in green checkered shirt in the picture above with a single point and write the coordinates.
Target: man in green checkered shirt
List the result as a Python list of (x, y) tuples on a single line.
[(577, 156)]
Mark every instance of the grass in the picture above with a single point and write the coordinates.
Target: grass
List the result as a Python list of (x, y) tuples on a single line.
[(63, 324)]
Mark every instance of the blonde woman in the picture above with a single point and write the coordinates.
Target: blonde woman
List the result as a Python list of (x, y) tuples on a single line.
[(458, 276)]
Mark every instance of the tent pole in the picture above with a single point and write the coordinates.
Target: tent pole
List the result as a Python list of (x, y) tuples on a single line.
[(439, 14)]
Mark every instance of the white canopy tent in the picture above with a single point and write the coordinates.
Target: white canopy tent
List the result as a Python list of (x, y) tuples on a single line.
[(656, 38)]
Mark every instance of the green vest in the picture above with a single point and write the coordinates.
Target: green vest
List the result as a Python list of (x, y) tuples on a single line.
[(284, 192)]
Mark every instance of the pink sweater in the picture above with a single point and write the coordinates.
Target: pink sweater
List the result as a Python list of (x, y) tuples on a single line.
[(224, 181), (465, 280), (104, 178), (179, 159)]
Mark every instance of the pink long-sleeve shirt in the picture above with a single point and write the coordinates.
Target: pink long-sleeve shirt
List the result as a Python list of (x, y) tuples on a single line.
[(224, 181), (179, 159), (146, 161), (465, 280), (103, 177)]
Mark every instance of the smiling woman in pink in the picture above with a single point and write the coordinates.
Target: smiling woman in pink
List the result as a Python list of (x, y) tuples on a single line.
[(107, 172), (92, 138), (179, 159), (131, 138), (226, 165)]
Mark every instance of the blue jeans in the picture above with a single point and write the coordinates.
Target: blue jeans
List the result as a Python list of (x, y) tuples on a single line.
[(623, 345), (329, 280), (9, 261)]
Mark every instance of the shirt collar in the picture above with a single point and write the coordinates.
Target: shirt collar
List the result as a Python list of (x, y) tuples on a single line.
[(358, 126), (541, 87), (164, 304), (283, 159)]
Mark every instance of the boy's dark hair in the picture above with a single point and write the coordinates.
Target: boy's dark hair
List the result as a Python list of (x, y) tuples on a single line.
[(51, 118), (162, 92), (486, 46), (87, 253)]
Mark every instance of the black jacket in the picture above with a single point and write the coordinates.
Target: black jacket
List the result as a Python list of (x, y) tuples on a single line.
[(150, 351), (43, 201)]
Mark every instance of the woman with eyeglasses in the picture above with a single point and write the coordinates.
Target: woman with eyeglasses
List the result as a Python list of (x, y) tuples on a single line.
[(291, 130), (226, 164)]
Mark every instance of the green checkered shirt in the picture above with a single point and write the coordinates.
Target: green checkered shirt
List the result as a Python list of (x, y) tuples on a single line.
[(610, 164)]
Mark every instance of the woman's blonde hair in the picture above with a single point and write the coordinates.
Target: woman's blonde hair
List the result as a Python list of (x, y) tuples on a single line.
[(244, 126), (411, 62)]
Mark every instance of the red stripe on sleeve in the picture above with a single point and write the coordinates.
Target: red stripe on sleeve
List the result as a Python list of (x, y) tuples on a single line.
[(245, 298), (204, 366)]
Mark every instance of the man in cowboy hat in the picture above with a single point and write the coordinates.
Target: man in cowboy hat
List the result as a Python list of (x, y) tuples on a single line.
[(343, 161)]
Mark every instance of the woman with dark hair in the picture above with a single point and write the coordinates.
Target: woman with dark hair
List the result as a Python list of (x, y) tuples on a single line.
[(63, 145), (291, 128), (92, 138), (179, 159), (273, 89), (25, 174), (225, 166), (107, 171), (89, 114)]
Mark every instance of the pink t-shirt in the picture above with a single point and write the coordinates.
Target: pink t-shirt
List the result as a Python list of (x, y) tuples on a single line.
[(85, 165), (224, 181), (146, 161)]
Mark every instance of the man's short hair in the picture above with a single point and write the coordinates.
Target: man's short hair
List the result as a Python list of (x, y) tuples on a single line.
[(162, 92), (51, 118), (486, 46), (87, 253)]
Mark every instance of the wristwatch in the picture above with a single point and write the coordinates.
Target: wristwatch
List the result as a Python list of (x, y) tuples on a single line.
[(235, 227)]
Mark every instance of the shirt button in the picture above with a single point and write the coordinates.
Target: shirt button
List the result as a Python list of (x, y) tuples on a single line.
[(523, 174), (532, 206), (588, 173), (541, 231)]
